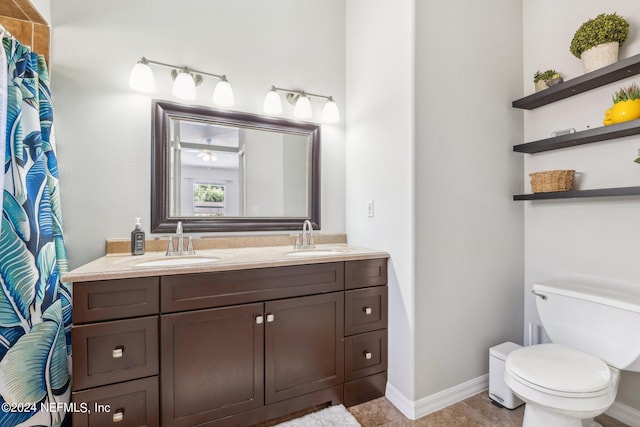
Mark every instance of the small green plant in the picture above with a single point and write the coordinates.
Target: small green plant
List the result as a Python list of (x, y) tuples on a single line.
[(604, 28), (630, 93), (547, 75)]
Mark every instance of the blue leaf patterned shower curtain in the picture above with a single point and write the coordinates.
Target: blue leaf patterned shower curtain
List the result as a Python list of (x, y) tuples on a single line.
[(35, 306)]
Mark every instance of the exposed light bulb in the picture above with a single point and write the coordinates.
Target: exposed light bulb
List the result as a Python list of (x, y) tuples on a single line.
[(223, 94), (141, 78), (272, 102), (330, 114), (184, 86), (303, 107)]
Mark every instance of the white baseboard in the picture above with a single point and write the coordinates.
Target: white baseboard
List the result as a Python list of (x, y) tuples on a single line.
[(400, 401), (624, 413), (417, 409)]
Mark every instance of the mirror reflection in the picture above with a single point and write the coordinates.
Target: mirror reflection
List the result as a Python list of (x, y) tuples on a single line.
[(219, 170)]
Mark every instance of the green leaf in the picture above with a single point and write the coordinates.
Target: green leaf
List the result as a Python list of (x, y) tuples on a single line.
[(58, 367), (36, 364), (18, 277), (17, 215), (46, 265)]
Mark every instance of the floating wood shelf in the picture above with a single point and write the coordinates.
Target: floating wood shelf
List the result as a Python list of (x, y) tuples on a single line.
[(611, 73), (579, 138), (601, 192)]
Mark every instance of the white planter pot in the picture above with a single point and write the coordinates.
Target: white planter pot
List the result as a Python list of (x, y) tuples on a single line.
[(540, 85), (599, 56)]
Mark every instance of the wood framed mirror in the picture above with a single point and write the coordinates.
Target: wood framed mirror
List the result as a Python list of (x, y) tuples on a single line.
[(217, 170)]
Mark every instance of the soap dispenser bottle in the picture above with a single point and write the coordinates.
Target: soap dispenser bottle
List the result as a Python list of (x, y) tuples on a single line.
[(137, 239)]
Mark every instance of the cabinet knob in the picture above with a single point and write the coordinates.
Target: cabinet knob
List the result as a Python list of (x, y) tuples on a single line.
[(270, 317), (259, 319), (367, 310), (367, 355), (118, 416), (117, 352)]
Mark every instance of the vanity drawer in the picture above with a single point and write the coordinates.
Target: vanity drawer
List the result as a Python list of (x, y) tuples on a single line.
[(365, 354), (128, 404), (208, 290), (365, 273), (115, 299), (110, 352), (365, 310)]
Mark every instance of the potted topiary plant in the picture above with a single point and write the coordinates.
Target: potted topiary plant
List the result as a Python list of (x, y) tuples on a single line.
[(546, 79), (597, 41), (626, 106)]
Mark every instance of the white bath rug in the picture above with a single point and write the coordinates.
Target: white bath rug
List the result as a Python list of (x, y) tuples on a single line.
[(333, 416)]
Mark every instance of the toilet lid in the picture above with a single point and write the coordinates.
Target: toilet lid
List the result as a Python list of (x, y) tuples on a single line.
[(559, 368)]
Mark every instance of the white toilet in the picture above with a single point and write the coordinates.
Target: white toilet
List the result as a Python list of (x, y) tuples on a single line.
[(594, 328)]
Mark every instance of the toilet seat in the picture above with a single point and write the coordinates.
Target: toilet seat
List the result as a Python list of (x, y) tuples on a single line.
[(560, 371)]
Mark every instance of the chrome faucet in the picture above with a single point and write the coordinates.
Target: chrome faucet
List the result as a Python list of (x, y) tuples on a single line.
[(306, 237), (180, 236)]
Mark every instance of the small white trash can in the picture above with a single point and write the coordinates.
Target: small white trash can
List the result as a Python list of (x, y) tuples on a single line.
[(499, 392)]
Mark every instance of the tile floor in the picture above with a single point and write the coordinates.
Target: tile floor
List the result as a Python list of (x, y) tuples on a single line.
[(476, 411)]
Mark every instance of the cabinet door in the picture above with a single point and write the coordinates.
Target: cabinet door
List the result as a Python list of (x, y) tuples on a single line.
[(212, 364), (304, 348)]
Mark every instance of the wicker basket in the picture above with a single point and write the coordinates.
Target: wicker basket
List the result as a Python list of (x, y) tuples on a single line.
[(548, 181)]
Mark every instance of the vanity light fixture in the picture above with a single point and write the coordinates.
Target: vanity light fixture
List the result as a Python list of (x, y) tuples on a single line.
[(299, 98), (330, 113), (141, 77), (272, 102), (184, 86), (303, 106), (185, 81)]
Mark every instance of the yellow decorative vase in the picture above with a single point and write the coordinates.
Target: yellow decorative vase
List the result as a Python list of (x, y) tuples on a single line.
[(622, 111)]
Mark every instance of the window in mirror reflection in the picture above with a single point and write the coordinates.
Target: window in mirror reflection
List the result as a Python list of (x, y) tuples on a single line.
[(254, 172), (208, 199)]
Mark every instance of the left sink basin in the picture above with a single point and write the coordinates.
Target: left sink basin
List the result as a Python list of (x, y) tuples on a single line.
[(176, 261)]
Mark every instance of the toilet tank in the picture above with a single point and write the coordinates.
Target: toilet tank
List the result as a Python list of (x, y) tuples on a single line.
[(599, 317)]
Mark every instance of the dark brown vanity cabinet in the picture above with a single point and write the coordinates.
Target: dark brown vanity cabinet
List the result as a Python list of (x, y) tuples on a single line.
[(115, 352), (365, 330), (230, 348)]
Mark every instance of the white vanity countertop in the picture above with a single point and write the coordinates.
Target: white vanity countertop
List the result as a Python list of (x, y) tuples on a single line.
[(122, 266)]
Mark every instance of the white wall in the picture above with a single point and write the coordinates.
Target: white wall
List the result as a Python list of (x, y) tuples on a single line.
[(429, 135), (469, 232), (597, 237), (380, 121), (264, 200), (103, 128)]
